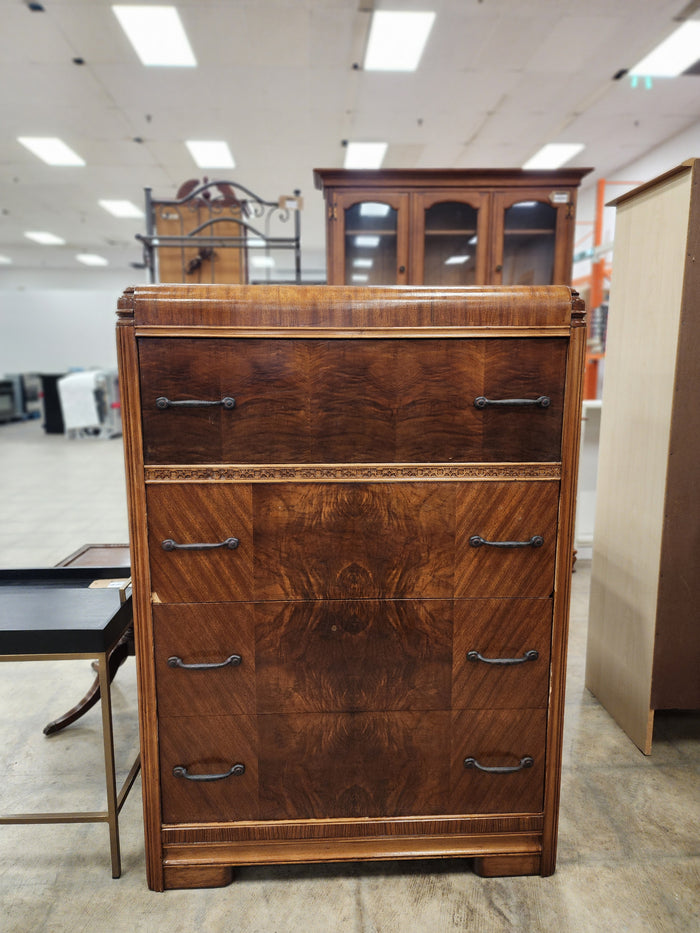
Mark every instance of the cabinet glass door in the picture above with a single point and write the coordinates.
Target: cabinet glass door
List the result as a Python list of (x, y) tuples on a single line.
[(528, 244), (372, 243), (450, 238), (450, 244)]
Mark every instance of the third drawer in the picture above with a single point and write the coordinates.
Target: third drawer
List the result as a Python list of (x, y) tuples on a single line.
[(351, 655)]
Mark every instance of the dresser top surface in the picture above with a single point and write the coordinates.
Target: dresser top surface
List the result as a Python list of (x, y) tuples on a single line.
[(327, 306)]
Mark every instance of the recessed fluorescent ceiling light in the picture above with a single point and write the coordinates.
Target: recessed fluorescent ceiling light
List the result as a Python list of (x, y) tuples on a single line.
[(91, 259), (373, 209), (262, 262), (156, 34), (46, 239), (5, 261), (396, 40), (360, 278), (369, 241), (210, 154), (364, 155), (553, 155), (674, 55), (363, 263), (53, 151), (456, 260), (121, 208)]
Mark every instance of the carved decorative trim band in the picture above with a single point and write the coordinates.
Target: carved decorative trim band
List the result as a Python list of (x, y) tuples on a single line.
[(350, 472)]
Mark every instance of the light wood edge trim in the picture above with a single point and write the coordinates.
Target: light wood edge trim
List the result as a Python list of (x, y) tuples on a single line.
[(343, 849), (562, 592), (351, 472), (345, 333), (344, 826), (136, 499)]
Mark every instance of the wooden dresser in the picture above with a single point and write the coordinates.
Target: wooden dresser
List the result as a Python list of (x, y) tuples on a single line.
[(351, 518)]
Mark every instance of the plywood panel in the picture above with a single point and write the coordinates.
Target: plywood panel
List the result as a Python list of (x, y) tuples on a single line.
[(643, 328)]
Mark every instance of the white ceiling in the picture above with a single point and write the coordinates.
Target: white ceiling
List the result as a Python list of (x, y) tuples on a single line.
[(498, 79)]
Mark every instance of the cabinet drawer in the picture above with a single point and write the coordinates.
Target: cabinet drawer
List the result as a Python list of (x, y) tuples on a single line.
[(208, 747), (348, 655), (509, 739), (351, 401), (327, 765), (351, 540), (501, 653)]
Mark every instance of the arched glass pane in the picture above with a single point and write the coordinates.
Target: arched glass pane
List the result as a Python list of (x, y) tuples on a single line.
[(528, 244), (450, 244), (370, 244)]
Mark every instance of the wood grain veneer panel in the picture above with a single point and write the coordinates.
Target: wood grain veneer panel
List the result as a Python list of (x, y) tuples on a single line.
[(208, 745), (143, 634), (498, 738), (201, 513), (344, 540), (501, 628), (204, 634), (353, 655), (299, 306), (345, 401), (501, 511), (361, 765)]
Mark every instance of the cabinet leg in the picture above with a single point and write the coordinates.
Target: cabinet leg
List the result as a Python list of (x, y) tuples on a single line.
[(197, 876), (497, 866)]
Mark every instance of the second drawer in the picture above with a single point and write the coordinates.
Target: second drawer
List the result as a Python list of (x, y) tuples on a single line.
[(233, 541)]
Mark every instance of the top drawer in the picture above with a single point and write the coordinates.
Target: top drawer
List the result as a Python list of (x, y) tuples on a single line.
[(362, 400)]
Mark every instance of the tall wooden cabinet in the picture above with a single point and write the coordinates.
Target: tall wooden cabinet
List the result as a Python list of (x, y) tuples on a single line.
[(643, 632), (351, 523), (449, 227)]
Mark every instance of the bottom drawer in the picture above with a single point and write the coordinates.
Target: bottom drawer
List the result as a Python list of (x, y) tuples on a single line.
[(325, 765)]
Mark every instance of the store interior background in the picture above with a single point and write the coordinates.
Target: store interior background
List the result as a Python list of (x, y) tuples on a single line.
[(282, 83), (277, 80)]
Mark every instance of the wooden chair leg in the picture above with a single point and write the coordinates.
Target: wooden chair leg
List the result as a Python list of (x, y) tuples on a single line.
[(118, 655)]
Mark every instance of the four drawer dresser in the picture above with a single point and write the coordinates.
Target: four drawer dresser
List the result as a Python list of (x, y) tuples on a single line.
[(351, 520)]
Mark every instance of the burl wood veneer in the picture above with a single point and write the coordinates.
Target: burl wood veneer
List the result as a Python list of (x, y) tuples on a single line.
[(351, 571)]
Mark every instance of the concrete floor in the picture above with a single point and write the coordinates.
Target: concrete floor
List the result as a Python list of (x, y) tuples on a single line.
[(629, 844)]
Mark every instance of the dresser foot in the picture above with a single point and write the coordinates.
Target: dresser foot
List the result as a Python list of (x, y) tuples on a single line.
[(498, 866), (197, 877)]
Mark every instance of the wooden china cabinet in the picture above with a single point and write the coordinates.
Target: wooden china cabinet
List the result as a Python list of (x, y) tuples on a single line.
[(449, 226)]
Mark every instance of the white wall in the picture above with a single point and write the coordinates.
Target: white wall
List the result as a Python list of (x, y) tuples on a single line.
[(52, 331)]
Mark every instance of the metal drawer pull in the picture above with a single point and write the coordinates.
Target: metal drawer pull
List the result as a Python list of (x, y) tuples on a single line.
[(180, 771), (233, 661), (543, 401), (164, 403), (170, 545), (478, 541), (526, 762), (477, 656)]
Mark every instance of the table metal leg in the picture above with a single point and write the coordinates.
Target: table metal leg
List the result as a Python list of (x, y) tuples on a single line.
[(110, 776)]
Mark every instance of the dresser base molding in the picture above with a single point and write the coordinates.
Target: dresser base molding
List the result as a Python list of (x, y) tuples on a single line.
[(506, 854), (300, 831)]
